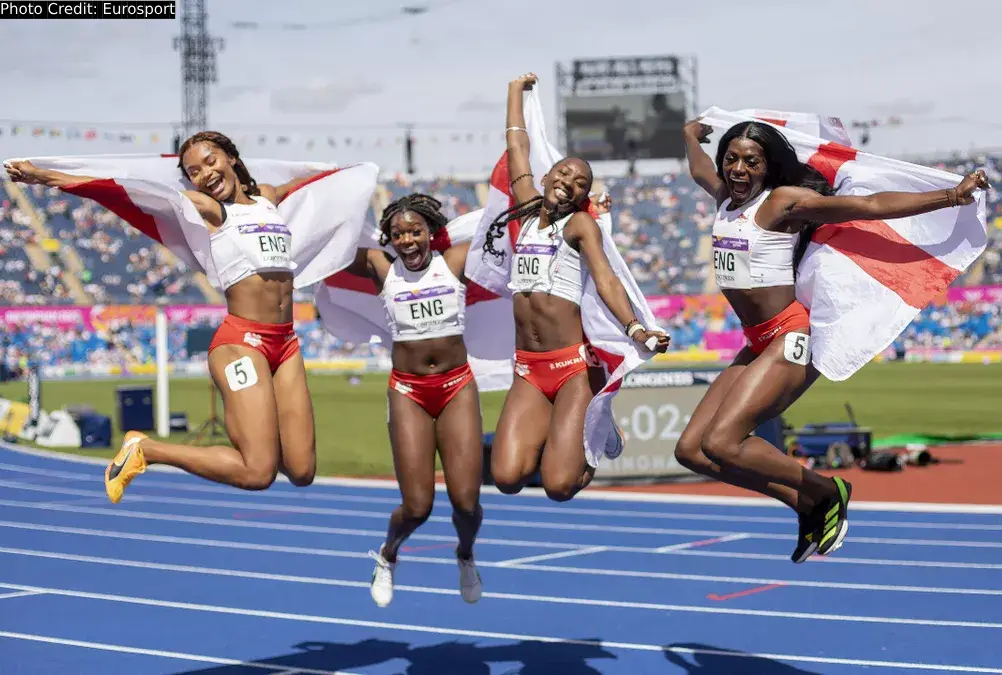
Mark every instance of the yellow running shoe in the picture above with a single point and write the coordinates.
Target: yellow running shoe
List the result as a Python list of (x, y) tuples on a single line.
[(128, 463)]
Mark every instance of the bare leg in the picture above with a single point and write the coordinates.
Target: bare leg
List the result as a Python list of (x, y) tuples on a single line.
[(251, 424), (563, 468), (297, 430), (459, 430), (689, 450), (412, 436), (518, 441)]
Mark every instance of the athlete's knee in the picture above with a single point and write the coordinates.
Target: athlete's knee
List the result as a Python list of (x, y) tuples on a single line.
[(508, 476), (465, 499), (258, 476), (720, 446), (302, 473), (689, 452), (418, 509), (562, 487)]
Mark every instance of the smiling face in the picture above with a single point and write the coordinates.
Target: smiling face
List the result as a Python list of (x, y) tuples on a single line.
[(566, 185), (744, 170), (410, 237), (211, 170)]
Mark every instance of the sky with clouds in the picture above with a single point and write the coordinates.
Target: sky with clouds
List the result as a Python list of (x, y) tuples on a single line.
[(354, 73)]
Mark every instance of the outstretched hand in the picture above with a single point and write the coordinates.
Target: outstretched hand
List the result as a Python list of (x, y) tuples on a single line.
[(602, 203), (22, 172), (976, 180), (524, 82), (696, 129)]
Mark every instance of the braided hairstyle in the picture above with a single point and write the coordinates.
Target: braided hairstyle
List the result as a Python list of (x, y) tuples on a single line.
[(524, 211), (229, 147), (424, 205)]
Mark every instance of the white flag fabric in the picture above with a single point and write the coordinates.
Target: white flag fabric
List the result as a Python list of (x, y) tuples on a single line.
[(618, 353), (324, 215), (865, 281), (352, 311)]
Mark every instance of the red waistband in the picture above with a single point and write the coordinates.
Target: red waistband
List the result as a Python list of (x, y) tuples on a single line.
[(257, 327), (432, 380), (793, 317), (561, 354)]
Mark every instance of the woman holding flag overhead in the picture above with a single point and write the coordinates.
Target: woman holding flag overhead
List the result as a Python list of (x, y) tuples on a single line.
[(432, 398), (558, 254), (770, 205), (231, 227)]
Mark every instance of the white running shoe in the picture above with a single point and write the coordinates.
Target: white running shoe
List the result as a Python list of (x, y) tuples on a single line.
[(382, 579), (470, 586)]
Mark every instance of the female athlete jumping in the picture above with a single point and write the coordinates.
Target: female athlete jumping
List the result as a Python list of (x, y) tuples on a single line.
[(254, 358), (559, 245), (769, 204), (432, 399)]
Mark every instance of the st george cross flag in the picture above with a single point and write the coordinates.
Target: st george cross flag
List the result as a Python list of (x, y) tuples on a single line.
[(324, 215), (352, 311), (865, 281), (618, 353)]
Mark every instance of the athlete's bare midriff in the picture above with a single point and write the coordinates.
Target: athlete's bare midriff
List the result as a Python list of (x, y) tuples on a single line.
[(544, 322), (757, 305), (264, 297), (429, 357)]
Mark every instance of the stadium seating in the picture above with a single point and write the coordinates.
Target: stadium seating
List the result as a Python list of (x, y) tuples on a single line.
[(661, 225)]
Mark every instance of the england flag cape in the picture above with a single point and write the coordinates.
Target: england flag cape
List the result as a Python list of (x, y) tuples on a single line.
[(864, 281), (325, 215), (617, 353), (351, 309)]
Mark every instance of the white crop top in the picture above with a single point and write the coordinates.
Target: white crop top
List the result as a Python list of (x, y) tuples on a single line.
[(426, 304), (745, 255), (254, 238), (544, 263)]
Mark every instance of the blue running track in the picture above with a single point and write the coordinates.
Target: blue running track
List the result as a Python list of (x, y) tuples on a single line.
[(185, 576)]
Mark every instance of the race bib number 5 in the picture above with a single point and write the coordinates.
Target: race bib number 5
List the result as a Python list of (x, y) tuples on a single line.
[(797, 348), (240, 374)]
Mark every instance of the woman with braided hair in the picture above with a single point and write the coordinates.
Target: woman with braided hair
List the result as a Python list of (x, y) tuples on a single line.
[(432, 400), (559, 245), (254, 357)]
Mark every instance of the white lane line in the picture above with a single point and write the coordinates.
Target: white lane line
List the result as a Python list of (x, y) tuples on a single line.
[(521, 524), (315, 529), (307, 618), (276, 669), (307, 496), (671, 548), (18, 594), (595, 493), (552, 556), (335, 553)]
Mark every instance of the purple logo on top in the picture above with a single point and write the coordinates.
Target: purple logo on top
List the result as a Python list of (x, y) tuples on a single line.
[(266, 228), (732, 243), (536, 249), (424, 293)]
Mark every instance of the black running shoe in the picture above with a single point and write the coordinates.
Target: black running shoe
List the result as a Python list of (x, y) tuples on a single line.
[(806, 543), (835, 525)]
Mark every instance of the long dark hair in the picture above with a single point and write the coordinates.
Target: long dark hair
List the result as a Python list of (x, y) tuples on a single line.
[(229, 147), (782, 167), (524, 211), (425, 206)]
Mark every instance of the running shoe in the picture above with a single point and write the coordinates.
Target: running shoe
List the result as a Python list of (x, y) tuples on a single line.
[(128, 463), (835, 524), (616, 442), (382, 578), (806, 544), (470, 586)]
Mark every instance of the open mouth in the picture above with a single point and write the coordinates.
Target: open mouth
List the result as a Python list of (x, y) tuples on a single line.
[(215, 186), (561, 194), (740, 188), (411, 258)]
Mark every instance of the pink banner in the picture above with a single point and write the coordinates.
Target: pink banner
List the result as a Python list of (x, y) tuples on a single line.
[(728, 340), (101, 317), (974, 294)]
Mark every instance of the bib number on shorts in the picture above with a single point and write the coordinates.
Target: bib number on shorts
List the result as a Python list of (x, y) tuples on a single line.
[(797, 348), (241, 374)]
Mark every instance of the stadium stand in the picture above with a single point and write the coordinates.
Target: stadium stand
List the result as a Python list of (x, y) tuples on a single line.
[(58, 249)]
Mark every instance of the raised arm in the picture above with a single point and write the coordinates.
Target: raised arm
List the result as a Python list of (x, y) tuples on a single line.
[(371, 263), (583, 233), (701, 166), (455, 258), (519, 170), (796, 203), (276, 193), (28, 173)]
